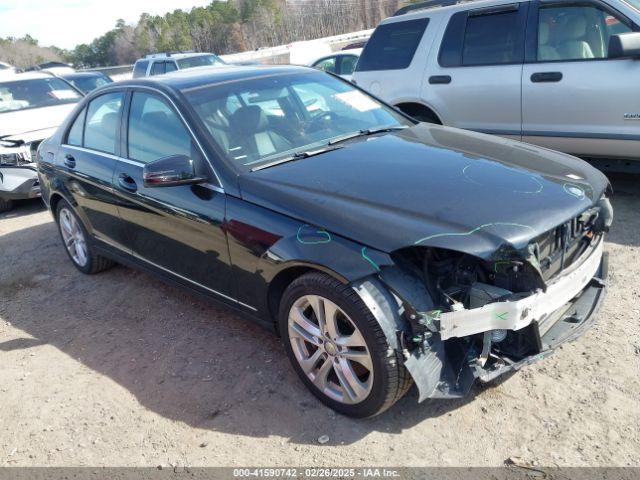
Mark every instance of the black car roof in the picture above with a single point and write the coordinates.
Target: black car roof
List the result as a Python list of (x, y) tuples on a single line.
[(196, 77)]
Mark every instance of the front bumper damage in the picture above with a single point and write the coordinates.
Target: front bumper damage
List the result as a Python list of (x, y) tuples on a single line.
[(19, 182), (450, 358)]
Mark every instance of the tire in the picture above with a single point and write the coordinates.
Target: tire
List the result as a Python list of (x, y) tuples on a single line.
[(5, 205), (376, 386), (89, 262)]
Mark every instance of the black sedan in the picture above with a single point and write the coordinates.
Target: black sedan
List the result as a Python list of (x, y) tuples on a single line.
[(384, 252)]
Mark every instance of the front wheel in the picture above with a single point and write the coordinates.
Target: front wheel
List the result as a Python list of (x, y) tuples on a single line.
[(338, 349), (5, 205)]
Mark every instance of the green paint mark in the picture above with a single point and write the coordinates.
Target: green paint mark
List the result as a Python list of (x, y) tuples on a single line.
[(532, 192), (502, 316), (471, 232), (364, 255), (574, 190), (503, 262), (321, 232)]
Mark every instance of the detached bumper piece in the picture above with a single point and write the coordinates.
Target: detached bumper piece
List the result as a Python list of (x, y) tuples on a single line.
[(18, 183), (486, 353)]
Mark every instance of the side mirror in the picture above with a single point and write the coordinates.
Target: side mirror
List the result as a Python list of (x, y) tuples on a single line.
[(625, 45), (170, 171)]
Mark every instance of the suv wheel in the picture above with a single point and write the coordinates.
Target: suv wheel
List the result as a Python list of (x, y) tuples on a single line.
[(77, 241), (338, 348), (5, 205)]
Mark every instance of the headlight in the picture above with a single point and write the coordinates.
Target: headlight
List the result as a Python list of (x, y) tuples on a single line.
[(16, 156)]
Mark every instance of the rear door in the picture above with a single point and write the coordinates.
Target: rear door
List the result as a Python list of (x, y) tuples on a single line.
[(475, 82), (574, 97), (87, 159), (179, 229)]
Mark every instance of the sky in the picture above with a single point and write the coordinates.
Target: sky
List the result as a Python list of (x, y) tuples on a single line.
[(67, 23)]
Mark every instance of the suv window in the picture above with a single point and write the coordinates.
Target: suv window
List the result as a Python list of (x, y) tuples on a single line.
[(576, 32), (103, 122), (155, 130), (170, 67), (140, 68), (158, 68), (76, 131), (392, 45), (493, 39), (477, 38)]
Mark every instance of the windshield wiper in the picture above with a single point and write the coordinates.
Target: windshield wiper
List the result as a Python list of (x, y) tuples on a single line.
[(367, 132), (14, 143), (297, 156)]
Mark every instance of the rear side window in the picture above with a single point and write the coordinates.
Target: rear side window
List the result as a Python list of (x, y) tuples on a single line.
[(103, 122), (155, 131), (484, 38), (392, 45), (140, 68), (158, 68), (77, 129)]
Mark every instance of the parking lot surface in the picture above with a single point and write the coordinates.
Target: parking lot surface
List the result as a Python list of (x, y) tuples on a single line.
[(119, 369)]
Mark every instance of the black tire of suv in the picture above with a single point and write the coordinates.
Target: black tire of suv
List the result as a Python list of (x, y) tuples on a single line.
[(391, 378), (96, 263), (5, 205)]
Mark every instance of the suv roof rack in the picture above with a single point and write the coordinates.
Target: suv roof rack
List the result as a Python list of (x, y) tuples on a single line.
[(167, 54), (428, 4)]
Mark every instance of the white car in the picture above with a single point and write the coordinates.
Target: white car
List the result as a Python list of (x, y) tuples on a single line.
[(161, 63), (562, 74), (340, 63), (32, 106)]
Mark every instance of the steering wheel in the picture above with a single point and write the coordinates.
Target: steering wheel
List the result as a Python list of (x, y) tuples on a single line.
[(321, 121)]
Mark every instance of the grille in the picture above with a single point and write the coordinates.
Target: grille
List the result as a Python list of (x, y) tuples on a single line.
[(560, 247)]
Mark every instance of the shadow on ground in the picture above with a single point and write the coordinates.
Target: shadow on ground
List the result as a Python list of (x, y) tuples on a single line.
[(181, 356)]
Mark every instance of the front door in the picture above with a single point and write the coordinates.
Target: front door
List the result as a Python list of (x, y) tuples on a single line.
[(175, 229), (574, 98), (87, 159), (476, 82)]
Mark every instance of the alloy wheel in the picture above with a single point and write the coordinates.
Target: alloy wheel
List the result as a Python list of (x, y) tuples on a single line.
[(330, 349), (73, 237)]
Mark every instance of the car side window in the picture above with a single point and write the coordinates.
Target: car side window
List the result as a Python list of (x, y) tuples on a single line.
[(170, 67), (103, 122), (576, 32), (158, 68), (392, 45), (74, 137), (493, 39), (155, 130), (348, 64), (140, 68), (327, 64)]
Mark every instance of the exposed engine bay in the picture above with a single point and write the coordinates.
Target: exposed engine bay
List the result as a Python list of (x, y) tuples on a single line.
[(497, 314)]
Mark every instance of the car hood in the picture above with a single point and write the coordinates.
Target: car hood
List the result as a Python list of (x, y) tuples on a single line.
[(431, 185), (33, 124)]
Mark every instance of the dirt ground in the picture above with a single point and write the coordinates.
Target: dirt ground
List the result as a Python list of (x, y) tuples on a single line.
[(119, 369)]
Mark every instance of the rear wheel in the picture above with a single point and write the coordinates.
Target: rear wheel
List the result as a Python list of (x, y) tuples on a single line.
[(77, 241), (5, 205), (338, 349)]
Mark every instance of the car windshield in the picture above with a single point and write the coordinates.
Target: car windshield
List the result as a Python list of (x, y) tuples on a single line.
[(634, 3), (200, 61), (258, 120), (35, 93), (86, 84)]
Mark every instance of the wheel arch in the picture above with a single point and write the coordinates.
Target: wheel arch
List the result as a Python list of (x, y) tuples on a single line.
[(416, 109), (286, 276)]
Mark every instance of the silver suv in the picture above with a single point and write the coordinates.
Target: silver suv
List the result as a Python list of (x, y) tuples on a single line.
[(563, 74), (161, 63)]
